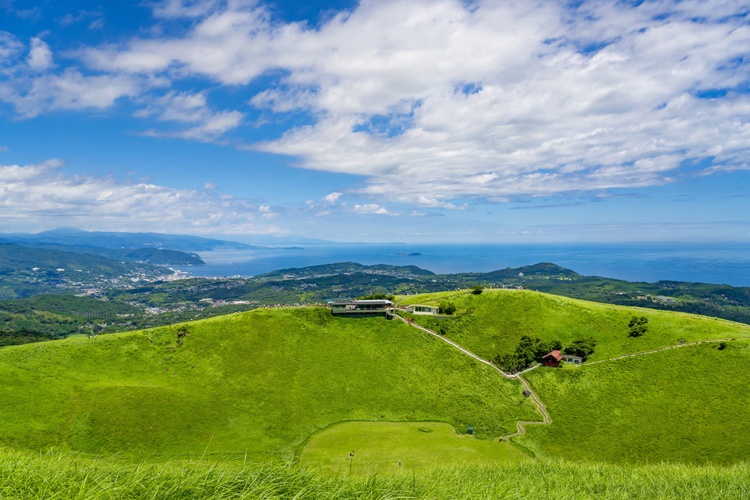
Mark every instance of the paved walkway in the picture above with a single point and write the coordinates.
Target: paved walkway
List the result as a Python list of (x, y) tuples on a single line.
[(521, 425)]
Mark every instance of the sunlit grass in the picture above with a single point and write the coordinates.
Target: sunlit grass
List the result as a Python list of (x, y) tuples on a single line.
[(687, 404), (258, 383), (64, 477), (491, 324)]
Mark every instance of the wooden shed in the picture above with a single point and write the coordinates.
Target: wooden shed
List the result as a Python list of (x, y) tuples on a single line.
[(552, 359)]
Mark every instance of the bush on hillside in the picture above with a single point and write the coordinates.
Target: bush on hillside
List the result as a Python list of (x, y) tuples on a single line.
[(637, 326), (582, 347), (19, 337), (377, 296), (447, 307), (477, 289)]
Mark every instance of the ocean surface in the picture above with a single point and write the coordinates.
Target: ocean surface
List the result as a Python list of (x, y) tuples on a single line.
[(708, 263)]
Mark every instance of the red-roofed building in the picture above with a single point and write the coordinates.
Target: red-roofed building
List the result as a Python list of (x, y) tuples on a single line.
[(552, 359)]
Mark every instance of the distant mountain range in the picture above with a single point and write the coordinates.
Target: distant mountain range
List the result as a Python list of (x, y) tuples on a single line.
[(26, 271), (345, 268), (153, 256), (120, 240)]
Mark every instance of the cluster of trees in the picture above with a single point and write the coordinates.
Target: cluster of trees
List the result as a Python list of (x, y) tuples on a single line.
[(446, 307), (18, 337), (582, 347), (378, 296), (528, 352), (531, 349), (638, 326)]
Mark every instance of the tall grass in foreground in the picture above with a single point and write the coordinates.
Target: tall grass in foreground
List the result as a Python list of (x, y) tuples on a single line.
[(59, 476)]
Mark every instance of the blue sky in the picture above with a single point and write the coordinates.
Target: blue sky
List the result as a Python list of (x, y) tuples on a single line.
[(388, 120)]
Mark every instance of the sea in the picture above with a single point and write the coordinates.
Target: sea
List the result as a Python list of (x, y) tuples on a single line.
[(727, 263)]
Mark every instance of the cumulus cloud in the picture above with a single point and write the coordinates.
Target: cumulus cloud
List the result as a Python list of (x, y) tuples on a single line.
[(44, 193), (40, 55), (10, 47), (508, 100), (332, 198), (371, 208), (191, 109), (70, 90), (441, 100)]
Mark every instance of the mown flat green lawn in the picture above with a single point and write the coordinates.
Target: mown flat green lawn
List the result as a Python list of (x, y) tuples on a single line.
[(688, 404), (491, 324), (257, 383), (378, 447)]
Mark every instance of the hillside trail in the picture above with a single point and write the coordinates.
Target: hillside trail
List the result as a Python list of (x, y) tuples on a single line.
[(521, 424), (686, 344)]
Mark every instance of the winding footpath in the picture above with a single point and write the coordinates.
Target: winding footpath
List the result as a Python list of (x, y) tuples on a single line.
[(656, 350), (521, 424)]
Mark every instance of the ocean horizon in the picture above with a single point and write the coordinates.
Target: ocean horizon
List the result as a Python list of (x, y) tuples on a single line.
[(720, 263)]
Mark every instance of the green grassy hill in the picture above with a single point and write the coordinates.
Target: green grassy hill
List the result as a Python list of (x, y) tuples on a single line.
[(687, 404), (271, 383), (258, 383), (63, 477), (491, 323)]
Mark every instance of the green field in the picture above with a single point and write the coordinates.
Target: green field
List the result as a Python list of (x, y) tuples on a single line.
[(687, 404), (379, 446), (67, 477), (257, 383), (490, 324), (191, 411)]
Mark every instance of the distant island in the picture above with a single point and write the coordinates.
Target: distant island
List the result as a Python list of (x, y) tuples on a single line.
[(413, 254)]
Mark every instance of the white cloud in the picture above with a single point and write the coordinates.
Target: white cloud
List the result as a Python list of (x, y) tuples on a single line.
[(371, 208), (4, 149), (332, 198), (183, 8), (40, 55), (43, 194), (192, 109), (438, 100), (95, 19), (540, 117), (69, 90), (9, 48)]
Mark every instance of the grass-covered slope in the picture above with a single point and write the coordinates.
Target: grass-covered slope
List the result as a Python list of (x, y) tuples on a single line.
[(258, 382), (27, 475), (687, 404), (491, 323)]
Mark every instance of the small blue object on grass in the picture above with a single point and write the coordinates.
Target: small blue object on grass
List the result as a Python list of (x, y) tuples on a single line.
[(470, 430)]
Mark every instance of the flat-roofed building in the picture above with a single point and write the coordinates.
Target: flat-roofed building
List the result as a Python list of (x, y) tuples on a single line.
[(360, 308), (419, 309), (569, 358)]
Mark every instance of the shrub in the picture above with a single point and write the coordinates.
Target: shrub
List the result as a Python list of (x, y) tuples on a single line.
[(583, 347), (377, 296), (477, 289), (637, 326), (447, 307)]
